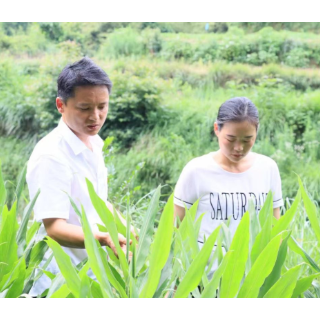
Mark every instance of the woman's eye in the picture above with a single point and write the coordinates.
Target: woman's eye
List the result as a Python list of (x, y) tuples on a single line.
[(84, 109), (230, 140)]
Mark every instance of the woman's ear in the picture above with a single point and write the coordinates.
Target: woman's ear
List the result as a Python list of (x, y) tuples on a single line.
[(216, 129), (60, 105)]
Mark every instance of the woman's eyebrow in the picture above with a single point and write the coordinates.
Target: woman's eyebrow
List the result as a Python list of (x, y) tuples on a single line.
[(231, 136)]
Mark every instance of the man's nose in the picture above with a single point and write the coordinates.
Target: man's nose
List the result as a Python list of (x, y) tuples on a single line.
[(94, 116)]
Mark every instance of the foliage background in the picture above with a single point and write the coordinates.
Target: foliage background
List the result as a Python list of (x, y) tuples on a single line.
[(169, 81)]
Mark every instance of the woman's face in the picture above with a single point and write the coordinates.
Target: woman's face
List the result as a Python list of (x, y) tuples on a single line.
[(236, 139)]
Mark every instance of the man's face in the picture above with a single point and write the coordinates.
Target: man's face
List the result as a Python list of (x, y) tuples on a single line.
[(86, 112)]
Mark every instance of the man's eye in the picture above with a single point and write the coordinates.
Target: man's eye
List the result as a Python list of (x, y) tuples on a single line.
[(230, 140), (84, 109)]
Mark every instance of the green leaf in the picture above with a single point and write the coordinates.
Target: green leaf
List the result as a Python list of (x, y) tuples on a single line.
[(66, 267), (147, 230), (261, 269), (263, 238), (94, 256), (56, 284), (197, 267), (160, 250), (284, 287), (37, 253), (16, 288), (20, 185), (3, 193), (22, 232), (311, 211), (276, 272), (303, 285), (8, 247), (294, 246), (32, 231), (285, 220), (210, 289), (234, 271), (62, 292), (108, 220)]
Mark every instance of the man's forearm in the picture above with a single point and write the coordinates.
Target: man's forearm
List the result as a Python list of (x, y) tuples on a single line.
[(69, 235)]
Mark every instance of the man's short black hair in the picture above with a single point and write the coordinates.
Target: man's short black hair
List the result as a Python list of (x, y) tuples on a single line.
[(81, 73)]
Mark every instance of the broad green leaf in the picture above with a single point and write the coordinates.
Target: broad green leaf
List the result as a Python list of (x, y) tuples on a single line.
[(32, 231), (37, 254), (22, 232), (303, 285), (96, 290), (66, 267), (62, 292), (3, 194), (16, 288), (94, 256), (147, 230), (234, 271), (260, 269), (267, 207), (160, 250), (197, 267), (294, 246), (284, 287), (311, 211), (108, 219), (276, 272), (56, 284), (20, 185), (8, 247), (112, 275), (85, 290), (285, 220), (193, 210), (211, 288), (263, 238)]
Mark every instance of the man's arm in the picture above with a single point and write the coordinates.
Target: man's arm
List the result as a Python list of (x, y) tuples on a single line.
[(72, 236)]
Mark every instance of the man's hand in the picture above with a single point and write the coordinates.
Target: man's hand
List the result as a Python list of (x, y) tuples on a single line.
[(105, 240)]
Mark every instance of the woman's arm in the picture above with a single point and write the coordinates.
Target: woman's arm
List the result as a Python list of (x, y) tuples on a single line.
[(179, 212), (276, 213)]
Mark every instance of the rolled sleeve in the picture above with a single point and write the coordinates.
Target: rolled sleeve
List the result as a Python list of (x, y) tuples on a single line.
[(54, 180), (276, 188), (185, 191)]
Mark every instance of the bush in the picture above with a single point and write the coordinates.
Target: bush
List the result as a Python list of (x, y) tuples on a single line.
[(123, 42), (134, 108)]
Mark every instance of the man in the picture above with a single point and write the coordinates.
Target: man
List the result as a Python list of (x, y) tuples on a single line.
[(62, 160)]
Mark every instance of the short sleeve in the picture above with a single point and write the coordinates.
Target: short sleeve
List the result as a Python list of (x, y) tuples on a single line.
[(185, 193), (53, 179), (276, 187)]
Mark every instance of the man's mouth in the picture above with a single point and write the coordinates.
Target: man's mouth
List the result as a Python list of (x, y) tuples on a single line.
[(93, 126)]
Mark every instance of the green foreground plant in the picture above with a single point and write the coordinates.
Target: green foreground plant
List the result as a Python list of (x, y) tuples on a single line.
[(166, 262)]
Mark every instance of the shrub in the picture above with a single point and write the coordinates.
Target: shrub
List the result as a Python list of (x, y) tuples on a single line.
[(123, 42), (134, 108)]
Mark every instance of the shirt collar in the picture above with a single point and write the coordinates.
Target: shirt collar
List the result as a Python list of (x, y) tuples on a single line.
[(74, 142)]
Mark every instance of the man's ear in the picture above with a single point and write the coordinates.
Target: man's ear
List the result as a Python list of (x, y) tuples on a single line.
[(60, 105)]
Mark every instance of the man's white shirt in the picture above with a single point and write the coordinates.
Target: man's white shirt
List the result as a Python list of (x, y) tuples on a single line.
[(59, 166)]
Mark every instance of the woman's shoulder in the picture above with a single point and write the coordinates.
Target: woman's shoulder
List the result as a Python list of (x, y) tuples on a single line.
[(200, 162), (263, 160)]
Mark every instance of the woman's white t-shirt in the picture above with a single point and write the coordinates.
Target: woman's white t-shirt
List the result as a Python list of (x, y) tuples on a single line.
[(225, 195)]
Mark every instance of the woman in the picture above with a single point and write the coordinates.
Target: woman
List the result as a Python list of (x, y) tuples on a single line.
[(226, 179)]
